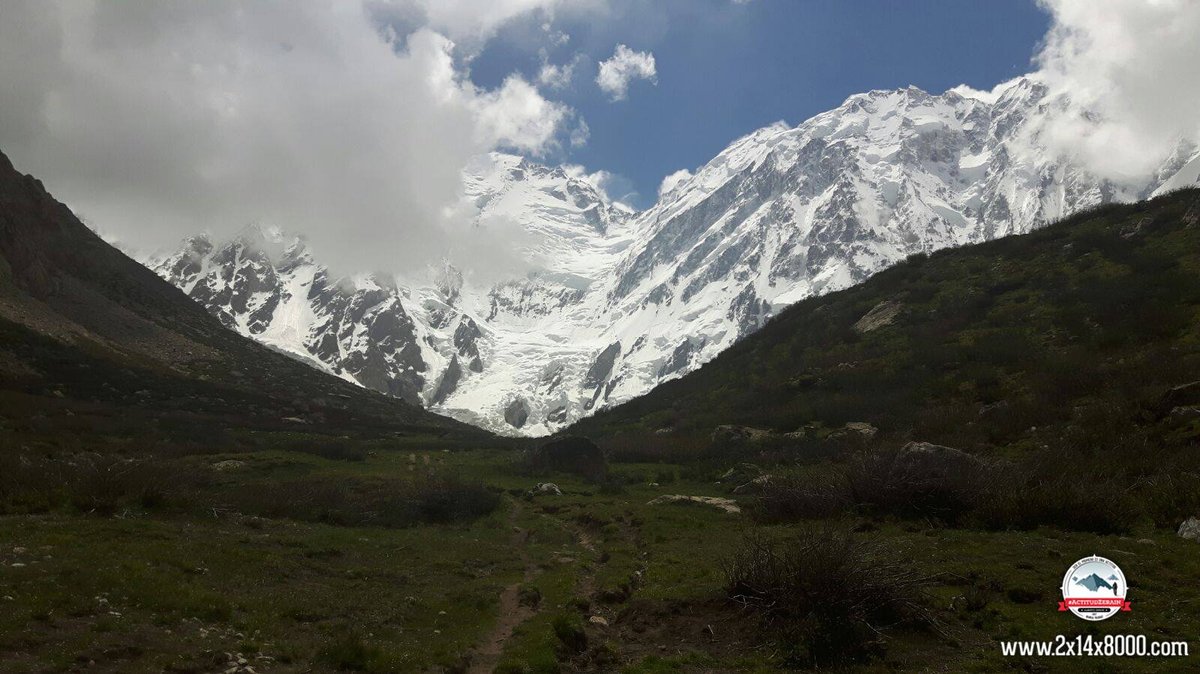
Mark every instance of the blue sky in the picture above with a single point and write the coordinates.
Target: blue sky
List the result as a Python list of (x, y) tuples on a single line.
[(726, 68)]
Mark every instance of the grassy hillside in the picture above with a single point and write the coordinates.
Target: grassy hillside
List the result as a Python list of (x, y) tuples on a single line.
[(1070, 337), (98, 353), (176, 498)]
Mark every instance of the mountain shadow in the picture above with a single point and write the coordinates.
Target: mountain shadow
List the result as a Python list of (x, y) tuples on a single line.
[(97, 349)]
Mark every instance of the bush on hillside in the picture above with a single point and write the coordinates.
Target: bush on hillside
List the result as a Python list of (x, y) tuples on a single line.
[(792, 498), (828, 595), (359, 502), (918, 480), (95, 484), (571, 454)]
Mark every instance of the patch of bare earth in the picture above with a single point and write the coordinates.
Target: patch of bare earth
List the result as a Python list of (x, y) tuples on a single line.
[(714, 627), (511, 611)]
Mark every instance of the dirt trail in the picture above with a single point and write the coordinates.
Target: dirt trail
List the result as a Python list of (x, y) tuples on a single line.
[(512, 612), (486, 655)]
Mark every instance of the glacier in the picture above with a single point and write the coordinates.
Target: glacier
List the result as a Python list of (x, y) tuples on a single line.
[(612, 302)]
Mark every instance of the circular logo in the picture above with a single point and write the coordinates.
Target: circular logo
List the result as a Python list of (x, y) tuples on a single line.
[(1094, 589)]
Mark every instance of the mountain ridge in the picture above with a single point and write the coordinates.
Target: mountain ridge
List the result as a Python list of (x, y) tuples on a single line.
[(619, 302), (1054, 339), (95, 343)]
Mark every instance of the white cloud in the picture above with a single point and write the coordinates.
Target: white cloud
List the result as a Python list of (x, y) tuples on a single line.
[(516, 116), (1133, 65), (623, 67), (557, 76), (580, 134), (673, 180), (615, 186), (157, 120), (467, 22)]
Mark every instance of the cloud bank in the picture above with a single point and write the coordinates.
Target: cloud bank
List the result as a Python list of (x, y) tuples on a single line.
[(623, 67), (1133, 65), (347, 121), (673, 180)]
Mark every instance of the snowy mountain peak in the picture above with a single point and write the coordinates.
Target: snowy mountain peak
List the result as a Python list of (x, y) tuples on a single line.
[(614, 302)]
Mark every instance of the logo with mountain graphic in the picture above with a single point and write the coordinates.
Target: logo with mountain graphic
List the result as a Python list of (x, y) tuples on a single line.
[(1094, 588)]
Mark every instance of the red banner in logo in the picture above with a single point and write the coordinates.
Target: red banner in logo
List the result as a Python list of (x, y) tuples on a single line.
[(1099, 602)]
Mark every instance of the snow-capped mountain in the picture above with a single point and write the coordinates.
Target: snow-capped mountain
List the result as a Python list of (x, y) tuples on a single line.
[(621, 301)]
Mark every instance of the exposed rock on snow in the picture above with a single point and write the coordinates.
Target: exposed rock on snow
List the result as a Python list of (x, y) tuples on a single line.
[(517, 413), (613, 302)]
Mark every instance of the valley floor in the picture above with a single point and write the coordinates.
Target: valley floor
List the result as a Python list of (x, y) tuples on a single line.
[(595, 579)]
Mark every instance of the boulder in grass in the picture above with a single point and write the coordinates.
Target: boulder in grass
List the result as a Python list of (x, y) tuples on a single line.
[(723, 504), (755, 486), (732, 435), (229, 464), (860, 431), (1190, 529), (934, 460), (881, 315), (739, 474), (572, 454), (1184, 395)]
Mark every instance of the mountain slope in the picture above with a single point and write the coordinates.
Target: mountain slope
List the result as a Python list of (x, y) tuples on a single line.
[(92, 344), (1070, 336), (448, 342), (619, 302)]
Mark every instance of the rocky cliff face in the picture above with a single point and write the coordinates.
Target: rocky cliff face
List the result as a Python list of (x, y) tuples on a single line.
[(620, 301)]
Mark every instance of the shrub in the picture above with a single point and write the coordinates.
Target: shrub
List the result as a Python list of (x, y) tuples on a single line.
[(334, 449), (1066, 489), (358, 502), (828, 594), (104, 484), (1075, 502), (570, 634), (93, 483), (918, 479), (572, 454), (641, 447), (790, 499), (346, 651), (443, 500), (1171, 498)]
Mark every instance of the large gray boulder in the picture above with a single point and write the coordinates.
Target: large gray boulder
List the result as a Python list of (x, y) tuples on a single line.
[(853, 430), (1183, 395), (546, 488), (755, 486), (881, 315), (571, 454), (930, 459), (1190, 529), (729, 434), (722, 504)]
